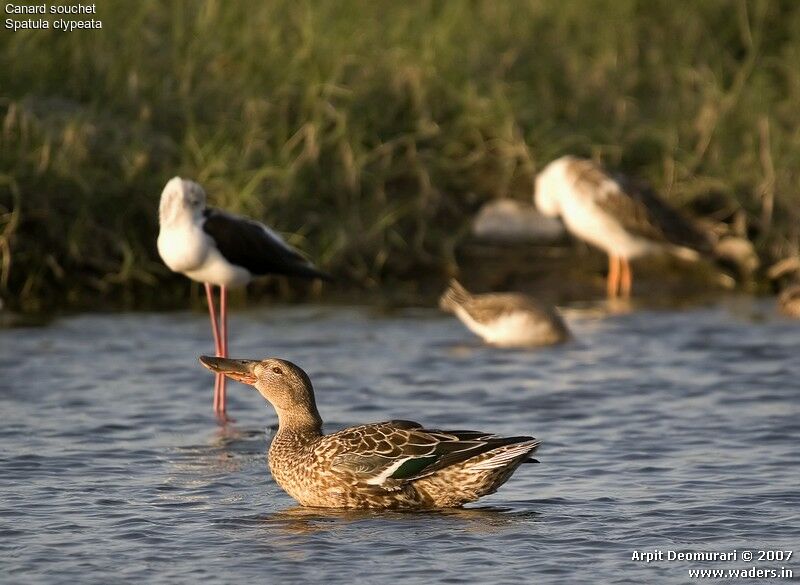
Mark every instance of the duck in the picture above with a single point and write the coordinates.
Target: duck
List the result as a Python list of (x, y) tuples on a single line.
[(616, 215), (218, 248), (505, 319), (392, 465)]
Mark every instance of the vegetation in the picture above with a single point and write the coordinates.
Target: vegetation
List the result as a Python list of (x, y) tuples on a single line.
[(371, 131)]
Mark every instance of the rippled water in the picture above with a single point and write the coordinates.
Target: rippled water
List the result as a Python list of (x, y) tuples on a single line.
[(661, 430)]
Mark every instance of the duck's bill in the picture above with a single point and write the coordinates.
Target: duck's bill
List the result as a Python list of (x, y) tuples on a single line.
[(239, 370)]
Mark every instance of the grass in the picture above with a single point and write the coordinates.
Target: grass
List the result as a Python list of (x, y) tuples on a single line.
[(371, 131)]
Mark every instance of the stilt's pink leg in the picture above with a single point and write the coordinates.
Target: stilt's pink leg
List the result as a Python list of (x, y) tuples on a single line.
[(223, 317), (219, 380)]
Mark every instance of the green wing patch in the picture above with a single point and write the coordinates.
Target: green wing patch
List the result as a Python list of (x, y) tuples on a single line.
[(414, 466)]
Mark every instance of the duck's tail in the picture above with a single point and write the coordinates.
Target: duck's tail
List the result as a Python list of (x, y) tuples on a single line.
[(454, 296), (478, 476), (510, 455)]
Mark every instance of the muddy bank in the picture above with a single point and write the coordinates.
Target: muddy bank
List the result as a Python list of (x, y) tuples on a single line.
[(569, 273), (560, 272)]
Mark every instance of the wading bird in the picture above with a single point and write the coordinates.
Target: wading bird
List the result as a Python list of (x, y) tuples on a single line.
[(218, 248), (505, 319), (615, 215), (389, 465)]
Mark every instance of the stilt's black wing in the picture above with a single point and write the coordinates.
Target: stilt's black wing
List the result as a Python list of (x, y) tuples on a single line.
[(255, 247)]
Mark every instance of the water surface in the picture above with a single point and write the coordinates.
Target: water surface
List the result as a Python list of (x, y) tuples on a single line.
[(671, 430)]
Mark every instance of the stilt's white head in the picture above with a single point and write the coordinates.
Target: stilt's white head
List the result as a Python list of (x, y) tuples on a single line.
[(548, 188), (181, 200)]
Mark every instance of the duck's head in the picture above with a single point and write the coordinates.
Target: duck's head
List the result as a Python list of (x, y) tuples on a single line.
[(181, 198), (285, 385)]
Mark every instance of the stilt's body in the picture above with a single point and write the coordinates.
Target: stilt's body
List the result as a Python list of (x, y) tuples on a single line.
[(624, 220), (218, 248)]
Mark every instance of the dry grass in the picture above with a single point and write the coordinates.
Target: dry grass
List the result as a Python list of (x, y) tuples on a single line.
[(372, 130)]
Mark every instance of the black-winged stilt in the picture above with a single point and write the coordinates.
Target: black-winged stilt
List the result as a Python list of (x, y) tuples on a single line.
[(218, 248)]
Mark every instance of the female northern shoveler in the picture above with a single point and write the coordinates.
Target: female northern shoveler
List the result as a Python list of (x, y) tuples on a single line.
[(219, 248), (392, 465), (624, 220), (505, 319)]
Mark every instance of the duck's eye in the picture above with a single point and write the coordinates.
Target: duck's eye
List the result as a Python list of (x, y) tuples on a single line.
[(277, 370)]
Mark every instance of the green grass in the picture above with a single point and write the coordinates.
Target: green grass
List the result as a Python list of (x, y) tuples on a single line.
[(372, 130)]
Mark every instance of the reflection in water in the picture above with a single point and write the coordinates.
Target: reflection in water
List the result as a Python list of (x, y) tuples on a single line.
[(619, 306), (477, 520), (230, 435)]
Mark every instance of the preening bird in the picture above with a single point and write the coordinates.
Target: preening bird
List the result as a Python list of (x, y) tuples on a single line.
[(219, 248), (613, 214), (397, 464)]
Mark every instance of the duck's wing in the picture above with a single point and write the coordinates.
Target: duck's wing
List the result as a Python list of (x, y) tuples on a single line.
[(255, 247), (391, 453)]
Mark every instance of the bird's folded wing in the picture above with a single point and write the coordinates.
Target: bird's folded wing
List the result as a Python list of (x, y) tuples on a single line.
[(636, 212), (487, 308), (253, 245), (388, 454), (642, 212)]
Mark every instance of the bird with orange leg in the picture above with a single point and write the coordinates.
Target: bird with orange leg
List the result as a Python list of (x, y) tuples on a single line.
[(611, 213)]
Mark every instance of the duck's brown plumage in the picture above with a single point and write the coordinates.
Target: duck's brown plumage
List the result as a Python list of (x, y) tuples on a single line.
[(391, 465)]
